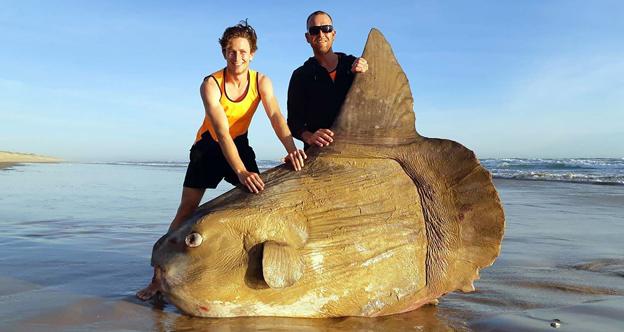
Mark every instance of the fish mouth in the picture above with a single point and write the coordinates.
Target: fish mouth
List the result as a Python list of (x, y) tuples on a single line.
[(163, 283), (167, 280)]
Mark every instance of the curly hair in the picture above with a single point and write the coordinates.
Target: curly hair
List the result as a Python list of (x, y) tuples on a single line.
[(241, 30)]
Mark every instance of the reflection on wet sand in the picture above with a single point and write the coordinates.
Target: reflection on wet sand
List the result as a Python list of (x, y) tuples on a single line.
[(425, 319), (90, 314), (599, 315)]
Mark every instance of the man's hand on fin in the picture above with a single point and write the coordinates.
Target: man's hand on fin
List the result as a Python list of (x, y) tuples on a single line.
[(359, 66), (296, 158), (321, 137), (251, 180)]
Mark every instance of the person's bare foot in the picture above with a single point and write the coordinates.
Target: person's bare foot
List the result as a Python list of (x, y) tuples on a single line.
[(148, 292), (152, 289)]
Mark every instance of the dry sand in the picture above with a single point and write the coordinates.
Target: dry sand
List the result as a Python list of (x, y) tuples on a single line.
[(8, 159)]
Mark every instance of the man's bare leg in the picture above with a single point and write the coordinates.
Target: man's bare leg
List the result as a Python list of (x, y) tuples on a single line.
[(191, 197)]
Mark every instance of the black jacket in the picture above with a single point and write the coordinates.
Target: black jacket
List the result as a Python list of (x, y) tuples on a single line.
[(314, 100)]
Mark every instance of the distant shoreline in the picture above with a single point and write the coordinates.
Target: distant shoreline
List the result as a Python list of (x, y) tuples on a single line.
[(8, 159)]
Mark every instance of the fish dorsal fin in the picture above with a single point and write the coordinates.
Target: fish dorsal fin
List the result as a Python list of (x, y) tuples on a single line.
[(378, 109)]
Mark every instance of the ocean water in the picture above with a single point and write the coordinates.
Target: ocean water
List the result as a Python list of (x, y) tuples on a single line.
[(581, 170), (76, 239), (578, 170)]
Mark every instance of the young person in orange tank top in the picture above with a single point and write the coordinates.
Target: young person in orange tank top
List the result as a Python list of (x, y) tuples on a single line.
[(221, 149)]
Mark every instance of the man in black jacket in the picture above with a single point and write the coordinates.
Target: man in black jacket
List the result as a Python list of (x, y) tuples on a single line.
[(319, 87)]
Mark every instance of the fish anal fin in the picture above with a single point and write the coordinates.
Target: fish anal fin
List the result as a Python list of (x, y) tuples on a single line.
[(464, 217)]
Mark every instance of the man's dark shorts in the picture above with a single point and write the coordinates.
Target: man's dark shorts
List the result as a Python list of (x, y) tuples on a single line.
[(208, 165)]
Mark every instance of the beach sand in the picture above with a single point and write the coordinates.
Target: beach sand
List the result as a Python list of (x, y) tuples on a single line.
[(9, 159), (72, 259)]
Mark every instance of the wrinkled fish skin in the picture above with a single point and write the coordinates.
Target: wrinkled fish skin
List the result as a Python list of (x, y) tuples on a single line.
[(382, 221)]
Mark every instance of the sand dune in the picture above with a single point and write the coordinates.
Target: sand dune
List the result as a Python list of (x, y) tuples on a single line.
[(16, 157)]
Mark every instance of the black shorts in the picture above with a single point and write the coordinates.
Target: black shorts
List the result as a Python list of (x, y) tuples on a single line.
[(208, 165)]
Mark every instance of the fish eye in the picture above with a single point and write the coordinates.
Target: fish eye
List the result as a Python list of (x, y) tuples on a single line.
[(193, 240)]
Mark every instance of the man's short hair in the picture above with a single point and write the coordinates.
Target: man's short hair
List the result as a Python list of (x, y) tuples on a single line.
[(241, 30), (318, 12)]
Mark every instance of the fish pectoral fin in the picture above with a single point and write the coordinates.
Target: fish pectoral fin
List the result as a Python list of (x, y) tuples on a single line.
[(282, 265)]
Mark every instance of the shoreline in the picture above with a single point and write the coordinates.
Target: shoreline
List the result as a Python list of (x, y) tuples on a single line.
[(9, 159), (558, 181), (4, 164)]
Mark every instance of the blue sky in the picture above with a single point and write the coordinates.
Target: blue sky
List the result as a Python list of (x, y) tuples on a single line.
[(119, 80)]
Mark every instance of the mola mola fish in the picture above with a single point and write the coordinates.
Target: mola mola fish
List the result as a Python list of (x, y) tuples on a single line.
[(380, 222)]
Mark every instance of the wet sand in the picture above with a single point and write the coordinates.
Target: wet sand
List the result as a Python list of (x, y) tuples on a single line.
[(6, 164), (72, 259)]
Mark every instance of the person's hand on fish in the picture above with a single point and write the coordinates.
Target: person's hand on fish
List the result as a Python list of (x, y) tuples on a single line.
[(296, 158), (322, 137), (251, 180), (359, 66)]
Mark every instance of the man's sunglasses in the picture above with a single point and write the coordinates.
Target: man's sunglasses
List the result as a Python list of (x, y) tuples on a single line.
[(317, 29)]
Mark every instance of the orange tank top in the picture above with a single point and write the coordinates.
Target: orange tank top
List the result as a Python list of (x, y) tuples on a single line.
[(239, 113)]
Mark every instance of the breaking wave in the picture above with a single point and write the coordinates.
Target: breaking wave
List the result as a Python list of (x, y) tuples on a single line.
[(609, 171), (579, 170)]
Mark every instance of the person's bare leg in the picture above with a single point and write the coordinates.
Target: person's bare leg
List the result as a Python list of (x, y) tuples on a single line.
[(191, 197)]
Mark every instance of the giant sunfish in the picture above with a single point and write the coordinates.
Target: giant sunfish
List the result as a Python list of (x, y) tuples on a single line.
[(380, 222)]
